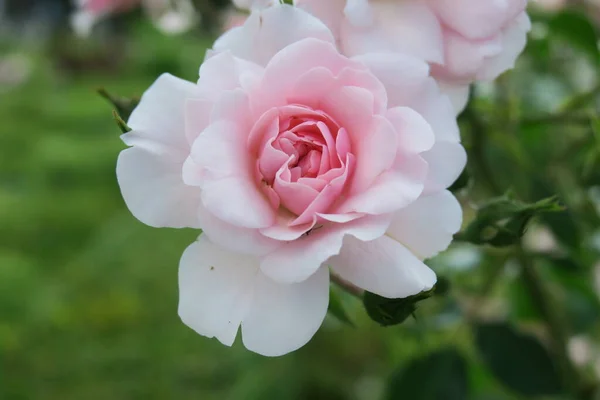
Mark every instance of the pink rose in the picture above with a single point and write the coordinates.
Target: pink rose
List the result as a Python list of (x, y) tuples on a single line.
[(291, 158), (463, 40)]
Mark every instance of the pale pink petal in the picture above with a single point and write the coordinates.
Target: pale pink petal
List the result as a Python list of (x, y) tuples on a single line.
[(296, 261), (414, 132), (221, 151), (222, 72), (476, 19), (403, 76), (382, 266), (268, 31), (392, 190), (331, 12), (153, 189), (239, 202), (284, 317), (328, 196), (296, 61), (446, 161), (197, 117), (457, 93), (465, 58), (514, 39), (234, 106), (294, 196), (407, 27), (215, 289), (375, 150), (233, 238), (426, 226), (192, 174), (159, 117), (415, 89)]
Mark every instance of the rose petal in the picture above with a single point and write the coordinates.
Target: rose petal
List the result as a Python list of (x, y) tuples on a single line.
[(239, 202), (159, 117), (284, 317), (414, 132), (296, 261), (382, 266), (215, 289), (446, 161), (426, 226), (233, 238), (268, 31), (153, 189), (223, 72)]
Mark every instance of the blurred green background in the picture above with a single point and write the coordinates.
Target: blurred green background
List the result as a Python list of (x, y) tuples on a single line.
[(88, 294)]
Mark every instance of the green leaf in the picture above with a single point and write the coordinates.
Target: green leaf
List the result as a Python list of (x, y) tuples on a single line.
[(442, 375), (577, 29), (388, 312), (502, 221), (336, 308), (517, 360)]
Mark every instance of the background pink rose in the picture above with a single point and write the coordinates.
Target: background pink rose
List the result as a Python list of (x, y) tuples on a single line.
[(290, 156), (464, 41)]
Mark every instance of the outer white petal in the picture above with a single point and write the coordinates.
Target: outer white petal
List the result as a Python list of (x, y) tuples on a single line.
[(426, 226), (458, 95), (234, 238), (514, 39), (268, 31), (284, 317), (297, 260), (331, 12), (215, 289), (150, 173), (446, 161), (160, 116), (222, 72), (407, 27), (382, 266), (153, 189)]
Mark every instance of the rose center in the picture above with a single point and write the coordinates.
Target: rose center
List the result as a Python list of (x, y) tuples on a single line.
[(305, 163)]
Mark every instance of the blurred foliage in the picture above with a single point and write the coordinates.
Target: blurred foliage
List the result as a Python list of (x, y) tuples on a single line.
[(88, 295)]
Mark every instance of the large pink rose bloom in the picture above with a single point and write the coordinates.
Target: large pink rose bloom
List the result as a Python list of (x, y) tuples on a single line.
[(463, 40), (293, 158)]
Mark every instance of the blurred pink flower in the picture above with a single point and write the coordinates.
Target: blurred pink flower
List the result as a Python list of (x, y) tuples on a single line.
[(170, 16), (463, 40), (291, 158)]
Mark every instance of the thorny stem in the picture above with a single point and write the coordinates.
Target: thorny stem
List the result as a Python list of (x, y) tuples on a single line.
[(347, 286)]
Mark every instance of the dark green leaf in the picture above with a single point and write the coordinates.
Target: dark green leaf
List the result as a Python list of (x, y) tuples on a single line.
[(577, 29), (503, 220), (517, 360), (387, 312), (442, 375), (336, 308)]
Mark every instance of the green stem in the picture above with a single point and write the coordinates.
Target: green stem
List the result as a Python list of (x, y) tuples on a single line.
[(558, 335)]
